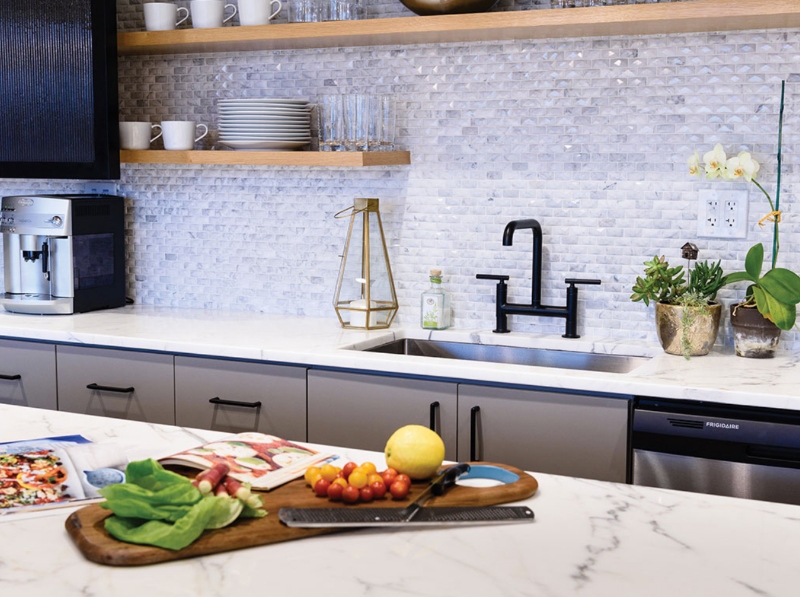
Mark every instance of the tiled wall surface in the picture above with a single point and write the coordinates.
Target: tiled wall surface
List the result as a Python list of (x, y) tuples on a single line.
[(588, 136)]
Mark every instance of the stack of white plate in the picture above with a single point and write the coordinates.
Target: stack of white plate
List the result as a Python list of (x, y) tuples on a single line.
[(264, 124)]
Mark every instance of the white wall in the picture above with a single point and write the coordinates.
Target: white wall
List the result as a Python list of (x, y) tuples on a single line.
[(589, 136)]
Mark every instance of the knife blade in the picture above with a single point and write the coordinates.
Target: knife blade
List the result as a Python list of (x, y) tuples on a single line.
[(412, 515)]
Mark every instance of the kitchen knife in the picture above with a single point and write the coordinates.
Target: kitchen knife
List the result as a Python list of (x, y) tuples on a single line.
[(412, 515)]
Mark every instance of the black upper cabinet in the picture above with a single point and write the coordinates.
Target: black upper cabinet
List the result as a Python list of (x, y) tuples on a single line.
[(58, 89)]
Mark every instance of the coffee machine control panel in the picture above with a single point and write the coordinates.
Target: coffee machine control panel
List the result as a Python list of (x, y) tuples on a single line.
[(27, 215)]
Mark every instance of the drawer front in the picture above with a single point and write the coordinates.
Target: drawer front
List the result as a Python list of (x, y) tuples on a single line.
[(137, 386), (362, 411), (236, 396), (28, 374), (548, 432)]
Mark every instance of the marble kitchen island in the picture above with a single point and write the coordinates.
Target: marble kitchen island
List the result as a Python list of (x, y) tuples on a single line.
[(589, 538)]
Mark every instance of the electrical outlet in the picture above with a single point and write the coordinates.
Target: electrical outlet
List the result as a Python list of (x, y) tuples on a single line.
[(99, 187), (722, 213)]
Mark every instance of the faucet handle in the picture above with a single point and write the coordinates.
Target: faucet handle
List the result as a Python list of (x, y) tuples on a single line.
[(573, 281), (499, 278)]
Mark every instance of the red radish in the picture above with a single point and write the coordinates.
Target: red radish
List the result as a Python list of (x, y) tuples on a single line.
[(236, 489), (208, 480)]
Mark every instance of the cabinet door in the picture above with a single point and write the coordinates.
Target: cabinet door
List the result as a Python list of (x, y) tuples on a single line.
[(549, 432), (361, 411), (138, 386), (28, 374), (236, 396)]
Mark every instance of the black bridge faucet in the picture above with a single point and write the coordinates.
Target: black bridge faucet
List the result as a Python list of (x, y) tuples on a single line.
[(504, 308)]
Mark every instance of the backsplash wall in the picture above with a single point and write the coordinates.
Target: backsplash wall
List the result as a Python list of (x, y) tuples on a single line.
[(589, 136)]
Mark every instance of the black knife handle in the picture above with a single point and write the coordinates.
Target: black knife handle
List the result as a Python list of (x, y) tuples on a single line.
[(449, 477)]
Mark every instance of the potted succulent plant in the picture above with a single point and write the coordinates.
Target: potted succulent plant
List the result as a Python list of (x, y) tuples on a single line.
[(687, 316), (770, 303)]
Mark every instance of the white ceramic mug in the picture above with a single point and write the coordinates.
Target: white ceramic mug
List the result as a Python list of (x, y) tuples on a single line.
[(207, 14), (257, 12), (136, 135), (180, 134), (163, 16)]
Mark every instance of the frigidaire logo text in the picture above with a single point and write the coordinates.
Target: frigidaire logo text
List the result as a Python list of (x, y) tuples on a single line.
[(722, 425)]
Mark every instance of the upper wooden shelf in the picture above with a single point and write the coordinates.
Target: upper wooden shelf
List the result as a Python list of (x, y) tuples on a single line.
[(638, 19), (269, 158)]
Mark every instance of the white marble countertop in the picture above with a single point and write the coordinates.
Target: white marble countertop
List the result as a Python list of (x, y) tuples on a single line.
[(717, 377), (588, 538)]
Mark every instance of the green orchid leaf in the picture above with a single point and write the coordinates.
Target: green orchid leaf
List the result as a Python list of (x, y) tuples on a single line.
[(783, 284), (737, 277), (754, 261), (783, 315), (761, 301)]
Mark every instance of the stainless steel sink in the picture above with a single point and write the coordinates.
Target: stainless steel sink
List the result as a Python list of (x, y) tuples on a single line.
[(539, 357)]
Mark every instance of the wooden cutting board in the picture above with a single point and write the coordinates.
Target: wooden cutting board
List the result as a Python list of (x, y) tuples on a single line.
[(85, 526)]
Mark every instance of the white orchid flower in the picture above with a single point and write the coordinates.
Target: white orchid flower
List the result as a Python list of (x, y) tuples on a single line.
[(715, 162), (749, 167), (694, 164)]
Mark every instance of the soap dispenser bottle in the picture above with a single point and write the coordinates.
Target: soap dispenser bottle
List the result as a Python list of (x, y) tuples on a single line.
[(435, 304)]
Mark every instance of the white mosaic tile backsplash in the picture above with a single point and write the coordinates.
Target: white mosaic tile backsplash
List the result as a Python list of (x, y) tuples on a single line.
[(588, 136)]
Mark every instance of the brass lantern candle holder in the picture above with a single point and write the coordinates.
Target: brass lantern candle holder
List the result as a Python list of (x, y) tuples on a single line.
[(365, 295)]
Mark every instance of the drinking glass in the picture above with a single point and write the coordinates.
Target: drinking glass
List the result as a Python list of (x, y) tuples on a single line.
[(387, 118), (356, 121), (304, 11), (331, 123)]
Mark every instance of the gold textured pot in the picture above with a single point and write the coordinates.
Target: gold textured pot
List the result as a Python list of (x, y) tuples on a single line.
[(687, 331), (754, 336)]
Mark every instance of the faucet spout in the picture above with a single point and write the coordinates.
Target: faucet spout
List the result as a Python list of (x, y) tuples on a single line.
[(536, 276)]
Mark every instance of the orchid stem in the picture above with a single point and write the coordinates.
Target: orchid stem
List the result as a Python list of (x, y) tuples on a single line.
[(775, 243)]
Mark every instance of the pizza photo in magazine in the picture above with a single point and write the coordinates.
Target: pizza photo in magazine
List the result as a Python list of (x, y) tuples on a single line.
[(264, 461), (54, 472)]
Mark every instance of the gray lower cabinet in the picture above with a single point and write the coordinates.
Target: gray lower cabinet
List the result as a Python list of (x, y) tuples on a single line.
[(550, 432), (238, 396), (124, 384), (28, 374), (361, 411)]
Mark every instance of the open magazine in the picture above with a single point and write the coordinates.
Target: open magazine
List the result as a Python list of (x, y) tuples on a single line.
[(55, 471), (264, 461)]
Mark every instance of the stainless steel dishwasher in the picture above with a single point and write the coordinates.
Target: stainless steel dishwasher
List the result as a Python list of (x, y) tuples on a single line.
[(717, 449)]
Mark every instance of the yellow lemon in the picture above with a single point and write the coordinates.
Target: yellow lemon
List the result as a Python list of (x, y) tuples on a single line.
[(415, 450)]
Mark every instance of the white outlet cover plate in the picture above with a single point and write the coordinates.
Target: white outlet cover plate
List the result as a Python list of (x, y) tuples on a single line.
[(721, 228)]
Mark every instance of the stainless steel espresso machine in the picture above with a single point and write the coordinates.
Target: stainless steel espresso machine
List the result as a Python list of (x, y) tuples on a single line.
[(63, 254)]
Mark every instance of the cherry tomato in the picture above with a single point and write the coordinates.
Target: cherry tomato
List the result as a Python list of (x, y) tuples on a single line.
[(372, 477), (378, 489), (350, 494), (313, 480), (335, 492), (321, 487), (312, 472), (329, 472), (399, 489), (341, 475), (339, 481), (403, 478), (389, 475), (365, 493), (368, 467), (358, 478), (349, 468)]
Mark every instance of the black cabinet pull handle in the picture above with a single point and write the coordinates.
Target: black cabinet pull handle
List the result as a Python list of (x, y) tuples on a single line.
[(474, 413), (10, 377), (218, 400), (434, 412), (94, 386)]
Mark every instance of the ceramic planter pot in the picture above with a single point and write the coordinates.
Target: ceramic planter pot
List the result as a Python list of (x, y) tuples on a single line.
[(754, 336), (687, 331)]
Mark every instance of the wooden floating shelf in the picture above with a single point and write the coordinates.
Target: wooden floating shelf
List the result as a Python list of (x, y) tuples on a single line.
[(269, 158), (638, 19)]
